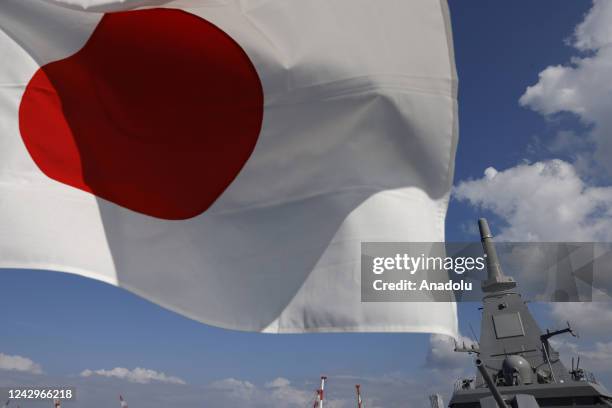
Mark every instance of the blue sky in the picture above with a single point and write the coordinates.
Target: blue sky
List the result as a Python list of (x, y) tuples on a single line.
[(67, 324), (499, 50)]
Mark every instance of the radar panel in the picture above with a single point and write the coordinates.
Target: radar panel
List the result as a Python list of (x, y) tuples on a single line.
[(508, 325)]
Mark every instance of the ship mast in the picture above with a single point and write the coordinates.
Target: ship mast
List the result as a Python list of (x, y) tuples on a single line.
[(516, 364)]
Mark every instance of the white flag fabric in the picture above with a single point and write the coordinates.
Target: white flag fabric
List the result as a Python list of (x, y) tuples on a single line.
[(226, 161)]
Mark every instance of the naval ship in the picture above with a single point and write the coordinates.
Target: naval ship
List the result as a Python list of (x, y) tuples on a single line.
[(516, 364)]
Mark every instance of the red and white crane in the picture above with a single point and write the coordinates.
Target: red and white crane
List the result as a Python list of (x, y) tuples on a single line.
[(317, 399), (359, 401), (320, 394)]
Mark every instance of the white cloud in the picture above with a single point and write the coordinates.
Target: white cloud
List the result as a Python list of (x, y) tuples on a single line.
[(592, 321), (543, 201), (599, 357), (595, 31), (564, 141), (276, 393), (278, 383), (583, 85), (441, 353), (596, 358), (235, 389), (589, 319), (231, 384), (19, 363), (137, 375), (283, 394)]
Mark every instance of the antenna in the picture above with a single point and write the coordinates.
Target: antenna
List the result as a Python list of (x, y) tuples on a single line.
[(550, 334), (473, 334), (473, 348), (572, 331)]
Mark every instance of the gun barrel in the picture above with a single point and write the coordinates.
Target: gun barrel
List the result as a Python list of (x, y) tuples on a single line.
[(496, 280), (493, 266), (492, 387)]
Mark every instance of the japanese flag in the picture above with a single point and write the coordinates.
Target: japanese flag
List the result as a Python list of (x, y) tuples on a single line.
[(226, 158)]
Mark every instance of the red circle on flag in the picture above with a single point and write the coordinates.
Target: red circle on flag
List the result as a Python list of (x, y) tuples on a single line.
[(158, 112)]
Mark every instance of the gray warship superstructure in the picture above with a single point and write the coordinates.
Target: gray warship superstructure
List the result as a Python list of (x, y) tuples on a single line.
[(517, 366)]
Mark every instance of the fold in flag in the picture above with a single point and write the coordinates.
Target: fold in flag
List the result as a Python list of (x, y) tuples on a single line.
[(226, 158)]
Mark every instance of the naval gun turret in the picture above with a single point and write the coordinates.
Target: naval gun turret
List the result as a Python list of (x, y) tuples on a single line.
[(517, 365)]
